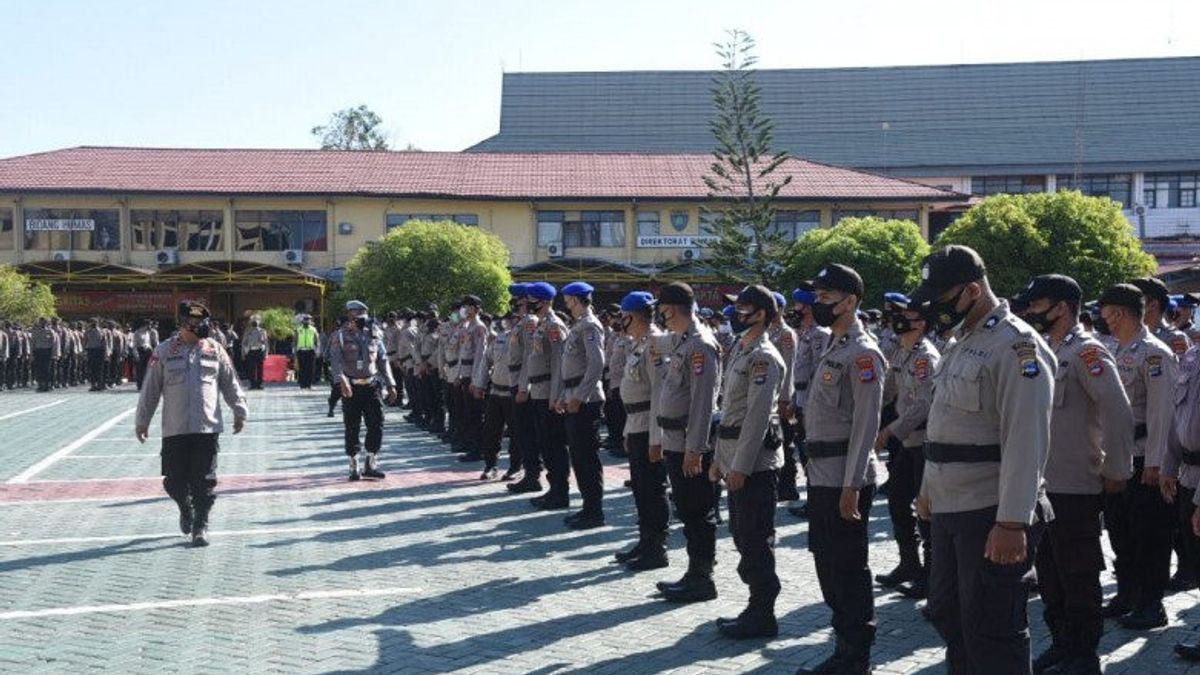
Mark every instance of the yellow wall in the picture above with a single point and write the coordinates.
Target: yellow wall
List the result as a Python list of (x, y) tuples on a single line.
[(513, 222)]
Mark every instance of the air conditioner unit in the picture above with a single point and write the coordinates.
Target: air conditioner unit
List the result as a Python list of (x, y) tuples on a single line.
[(1140, 209), (61, 256), (166, 256), (294, 257), (690, 254), (554, 249)]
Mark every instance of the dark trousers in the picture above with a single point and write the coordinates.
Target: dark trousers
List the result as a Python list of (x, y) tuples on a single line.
[(525, 433), (305, 360), (696, 504), (1139, 526), (583, 439), (189, 469), (614, 418), (254, 367), (786, 488), (498, 416), (364, 403), (437, 405), (96, 367), (839, 549), (1069, 561), (978, 606), (335, 395), (552, 440), (471, 424), (904, 483), (649, 484), (1189, 541), (453, 401), (752, 524), (142, 362), (41, 368)]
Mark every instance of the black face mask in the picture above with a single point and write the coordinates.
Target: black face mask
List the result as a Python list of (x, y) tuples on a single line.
[(741, 325), (202, 329), (794, 318), (945, 315), (901, 325), (1039, 321), (533, 307), (360, 322), (823, 314), (1101, 326)]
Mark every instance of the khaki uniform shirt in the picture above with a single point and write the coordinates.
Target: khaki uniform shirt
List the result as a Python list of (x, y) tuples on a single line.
[(472, 349), (1091, 431), (993, 386), (355, 354), (810, 344), (583, 361), (748, 404), (644, 367), (912, 370), (844, 404), (687, 396), (255, 339), (516, 352), (1177, 340), (618, 352), (1185, 426), (784, 339), (1148, 369), (190, 380), (544, 341)]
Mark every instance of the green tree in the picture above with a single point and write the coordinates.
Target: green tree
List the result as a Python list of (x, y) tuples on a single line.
[(352, 129), (1022, 236), (742, 183), (22, 299), (886, 253), (279, 322), (422, 262)]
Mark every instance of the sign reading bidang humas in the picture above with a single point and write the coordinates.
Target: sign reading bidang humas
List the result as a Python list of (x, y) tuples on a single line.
[(60, 225)]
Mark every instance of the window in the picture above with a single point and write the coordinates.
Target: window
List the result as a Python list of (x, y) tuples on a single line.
[(549, 228), (983, 186), (281, 230), (1116, 186), (792, 224), (1172, 190), (1150, 198), (648, 224), (185, 230), (8, 238), (886, 214), (72, 229), (586, 229), (398, 219)]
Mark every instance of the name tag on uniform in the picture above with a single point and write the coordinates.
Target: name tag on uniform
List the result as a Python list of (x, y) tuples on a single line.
[(358, 365)]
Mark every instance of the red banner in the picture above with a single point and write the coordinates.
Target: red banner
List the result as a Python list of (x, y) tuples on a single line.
[(144, 303)]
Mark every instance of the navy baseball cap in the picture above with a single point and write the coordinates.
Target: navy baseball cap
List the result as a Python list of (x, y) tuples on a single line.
[(835, 277), (944, 269)]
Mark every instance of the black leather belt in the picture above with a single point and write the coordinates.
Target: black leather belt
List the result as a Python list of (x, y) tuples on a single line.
[(452, 363), (407, 358), (514, 369), (801, 386), (572, 381), (466, 362), (642, 406), (949, 452), (502, 388), (1191, 457), (728, 432), (821, 449), (535, 379), (1139, 432), (673, 423)]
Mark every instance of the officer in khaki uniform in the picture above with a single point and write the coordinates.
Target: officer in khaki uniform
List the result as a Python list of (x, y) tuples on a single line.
[(784, 339), (616, 347), (687, 398), (190, 372), (254, 348), (1154, 316), (523, 436), (580, 399), (841, 422), (1090, 408), (811, 341), (1184, 456), (1139, 521), (914, 361), (644, 367), (358, 361), (748, 456), (540, 383), (988, 437), (472, 376)]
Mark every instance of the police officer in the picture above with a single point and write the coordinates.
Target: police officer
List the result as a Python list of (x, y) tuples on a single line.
[(45, 344), (190, 372), (144, 342), (1186, 317), (1184, 455), (748, 457), (539, 384), (524, 411), (914, 360), (841, 422), (645, 364), (522, 434), (687, 399), (435, 410), (811, 341), (1139, 520), (616, 346), (254, 350), (1090, 404), (307, 340), (1157, 302), (498, 410), (359, 364), (988, 437), (784, 339), (97, 344), (472, 376), (580, 400)]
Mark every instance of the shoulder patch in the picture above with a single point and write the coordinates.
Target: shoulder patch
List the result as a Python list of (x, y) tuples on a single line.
[(866, 369), (698, 363), (1092, 360), (991, 323), (1154, 363), (759, 372), (591, 335), (786, 341), (1027, 359), (555, 334), (921, 368), (1179, 345)]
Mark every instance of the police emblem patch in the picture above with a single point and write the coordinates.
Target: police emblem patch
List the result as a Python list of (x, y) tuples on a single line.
[(1154, 365), (827, 376), (921, 369), (1179, 345), (866, 369), (698, 363), (1092, 361), (1027, 358), (555, 334), (760, 372), (991, 323)]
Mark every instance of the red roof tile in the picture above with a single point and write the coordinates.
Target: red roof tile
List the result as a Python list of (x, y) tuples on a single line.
[(420, 174)]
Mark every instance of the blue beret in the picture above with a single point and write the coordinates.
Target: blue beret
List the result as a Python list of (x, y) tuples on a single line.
[(780, 302), (897, 299), (541, 290), (728, 311), (1173, 302), (578, 288), (356, 305), (804, 297), (637, 300), (517, 290)]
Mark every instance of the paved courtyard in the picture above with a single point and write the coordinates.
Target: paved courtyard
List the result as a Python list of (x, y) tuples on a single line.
[(429, 570)]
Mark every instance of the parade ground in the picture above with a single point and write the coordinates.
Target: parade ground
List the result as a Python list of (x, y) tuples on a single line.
[(427, 571)]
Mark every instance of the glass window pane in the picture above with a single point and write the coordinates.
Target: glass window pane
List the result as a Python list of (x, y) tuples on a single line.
[(549, 233), (8, 238), (648, 223), (78, 229)]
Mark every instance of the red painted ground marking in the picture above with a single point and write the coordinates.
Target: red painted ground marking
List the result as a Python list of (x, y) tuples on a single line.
[(138, 488)]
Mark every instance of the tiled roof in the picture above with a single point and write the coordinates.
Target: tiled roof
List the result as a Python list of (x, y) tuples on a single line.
[(420, 174)]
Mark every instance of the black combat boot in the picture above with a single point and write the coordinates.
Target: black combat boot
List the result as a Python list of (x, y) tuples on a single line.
[(651, 554)]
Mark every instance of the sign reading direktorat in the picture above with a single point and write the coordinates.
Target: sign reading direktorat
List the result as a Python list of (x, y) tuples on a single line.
[(677, 241)]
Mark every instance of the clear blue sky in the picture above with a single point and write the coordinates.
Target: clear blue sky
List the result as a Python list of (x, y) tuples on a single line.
[(261, 73)]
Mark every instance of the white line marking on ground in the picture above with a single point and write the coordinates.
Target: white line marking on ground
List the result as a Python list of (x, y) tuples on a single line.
[(176, 535), (266, 474), (225, 437), (33, 409), (223, 453), (54, 457), (208, 602)]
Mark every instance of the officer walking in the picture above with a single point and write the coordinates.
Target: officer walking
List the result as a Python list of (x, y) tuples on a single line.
[(254, 347), (359, 364), (1089, 405), (748, 457), (580, 398), (841, 422), (687, 398), (190, 372), (987, 440)]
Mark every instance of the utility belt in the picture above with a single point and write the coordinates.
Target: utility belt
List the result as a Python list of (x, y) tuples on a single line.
[(771, 440), (822, 449), (672, 423), (363, 381), (538, 379), (451, 364), (514, 369), (641, 406), (466, 362), (572, 381), (407, 358), (1139, 432), (1191, 457), (502, 389), (801, 386), (954, 453)]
